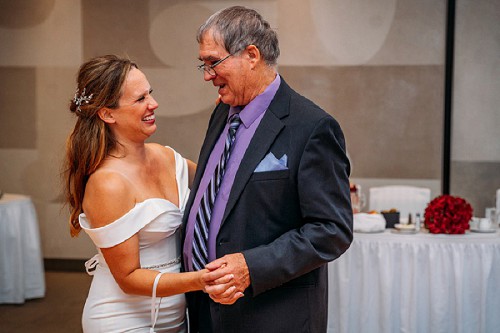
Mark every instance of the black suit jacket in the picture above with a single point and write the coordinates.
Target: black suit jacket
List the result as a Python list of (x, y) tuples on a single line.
[(287, 223)]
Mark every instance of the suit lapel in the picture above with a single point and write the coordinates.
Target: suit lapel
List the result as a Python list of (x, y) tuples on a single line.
[(269, 128)]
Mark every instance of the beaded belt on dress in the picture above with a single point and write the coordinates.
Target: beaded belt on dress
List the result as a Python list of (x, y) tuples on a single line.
[(164, 265), (91, 264)]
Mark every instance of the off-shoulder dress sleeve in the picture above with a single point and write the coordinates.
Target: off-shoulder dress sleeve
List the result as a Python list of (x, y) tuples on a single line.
[(127, 225)]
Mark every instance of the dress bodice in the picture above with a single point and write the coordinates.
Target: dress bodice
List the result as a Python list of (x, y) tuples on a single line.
[(155, 220)]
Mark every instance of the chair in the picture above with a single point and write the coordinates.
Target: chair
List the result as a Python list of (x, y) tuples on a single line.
[(406, 199)]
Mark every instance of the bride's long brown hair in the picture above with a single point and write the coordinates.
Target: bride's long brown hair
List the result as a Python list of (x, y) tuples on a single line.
[(99, 82)]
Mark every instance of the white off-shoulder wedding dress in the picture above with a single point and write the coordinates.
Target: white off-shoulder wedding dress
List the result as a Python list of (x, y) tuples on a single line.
[(157, 221)]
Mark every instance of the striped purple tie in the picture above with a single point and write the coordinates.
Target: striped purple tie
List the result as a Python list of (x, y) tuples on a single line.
[(200, 241)]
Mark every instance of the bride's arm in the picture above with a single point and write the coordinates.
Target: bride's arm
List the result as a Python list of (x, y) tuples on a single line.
[(109, 196), (123, 262)]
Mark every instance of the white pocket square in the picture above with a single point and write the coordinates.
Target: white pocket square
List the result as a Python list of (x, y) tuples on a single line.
[(271, 163)]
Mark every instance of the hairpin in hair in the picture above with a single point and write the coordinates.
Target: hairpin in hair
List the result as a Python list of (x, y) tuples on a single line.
[(79, 100)]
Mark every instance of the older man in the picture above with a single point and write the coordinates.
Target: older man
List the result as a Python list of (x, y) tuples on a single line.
[(270, 202)]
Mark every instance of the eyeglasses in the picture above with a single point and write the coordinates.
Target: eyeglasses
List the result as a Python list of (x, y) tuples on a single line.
[(210, 68)]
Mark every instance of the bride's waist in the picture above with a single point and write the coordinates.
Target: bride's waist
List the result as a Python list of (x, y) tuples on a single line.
[(98, 261), (163, 265)]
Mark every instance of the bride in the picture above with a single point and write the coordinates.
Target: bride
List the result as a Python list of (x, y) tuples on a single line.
[(129, 197)]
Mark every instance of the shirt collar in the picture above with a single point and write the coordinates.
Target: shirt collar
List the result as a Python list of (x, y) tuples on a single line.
[(258, 105)]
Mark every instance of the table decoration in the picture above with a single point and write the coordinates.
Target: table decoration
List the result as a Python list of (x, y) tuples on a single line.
[(448, 214), (391, 217), (357, 198), (368, 223)]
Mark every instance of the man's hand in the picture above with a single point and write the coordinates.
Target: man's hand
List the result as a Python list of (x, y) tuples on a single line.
[(227, 292)]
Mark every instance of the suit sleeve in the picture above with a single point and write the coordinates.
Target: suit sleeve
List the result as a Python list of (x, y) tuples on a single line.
[(326, 214)]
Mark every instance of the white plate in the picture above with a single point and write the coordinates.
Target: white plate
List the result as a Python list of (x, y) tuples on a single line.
[(401, 226), (484, 231)]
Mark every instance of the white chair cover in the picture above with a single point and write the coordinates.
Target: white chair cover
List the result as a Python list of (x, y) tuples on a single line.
[(406, 199)]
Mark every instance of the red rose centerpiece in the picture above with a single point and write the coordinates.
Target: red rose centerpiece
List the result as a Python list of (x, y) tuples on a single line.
[(447, 214)]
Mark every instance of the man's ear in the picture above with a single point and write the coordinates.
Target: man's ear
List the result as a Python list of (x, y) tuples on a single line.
[(106, 115), (253, 54)]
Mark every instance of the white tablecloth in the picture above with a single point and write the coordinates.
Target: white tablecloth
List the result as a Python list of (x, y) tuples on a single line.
[(391, 282), (21, 265)]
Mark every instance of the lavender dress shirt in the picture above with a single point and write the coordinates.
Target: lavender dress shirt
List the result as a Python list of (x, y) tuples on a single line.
[(251, 115)]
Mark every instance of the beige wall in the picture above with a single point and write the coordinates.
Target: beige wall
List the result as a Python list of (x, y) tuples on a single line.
[(378, 67), (475, 172)]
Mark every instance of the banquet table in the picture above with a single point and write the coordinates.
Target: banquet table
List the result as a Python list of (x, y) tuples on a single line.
[(392, 282), (21, 265)]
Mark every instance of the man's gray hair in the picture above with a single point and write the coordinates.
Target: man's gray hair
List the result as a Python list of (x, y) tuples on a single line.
[(237, 27)]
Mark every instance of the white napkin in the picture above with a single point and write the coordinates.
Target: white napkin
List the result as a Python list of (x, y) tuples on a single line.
[(364, 222)]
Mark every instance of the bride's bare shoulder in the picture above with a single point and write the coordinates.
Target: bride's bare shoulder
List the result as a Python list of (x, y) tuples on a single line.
[(161, 150), (163, 154), (108, 195)]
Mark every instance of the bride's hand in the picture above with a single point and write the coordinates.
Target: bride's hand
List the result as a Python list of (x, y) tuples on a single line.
[(222, 290)]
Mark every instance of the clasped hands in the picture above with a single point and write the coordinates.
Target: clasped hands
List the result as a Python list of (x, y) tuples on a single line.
[(227, 278)]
